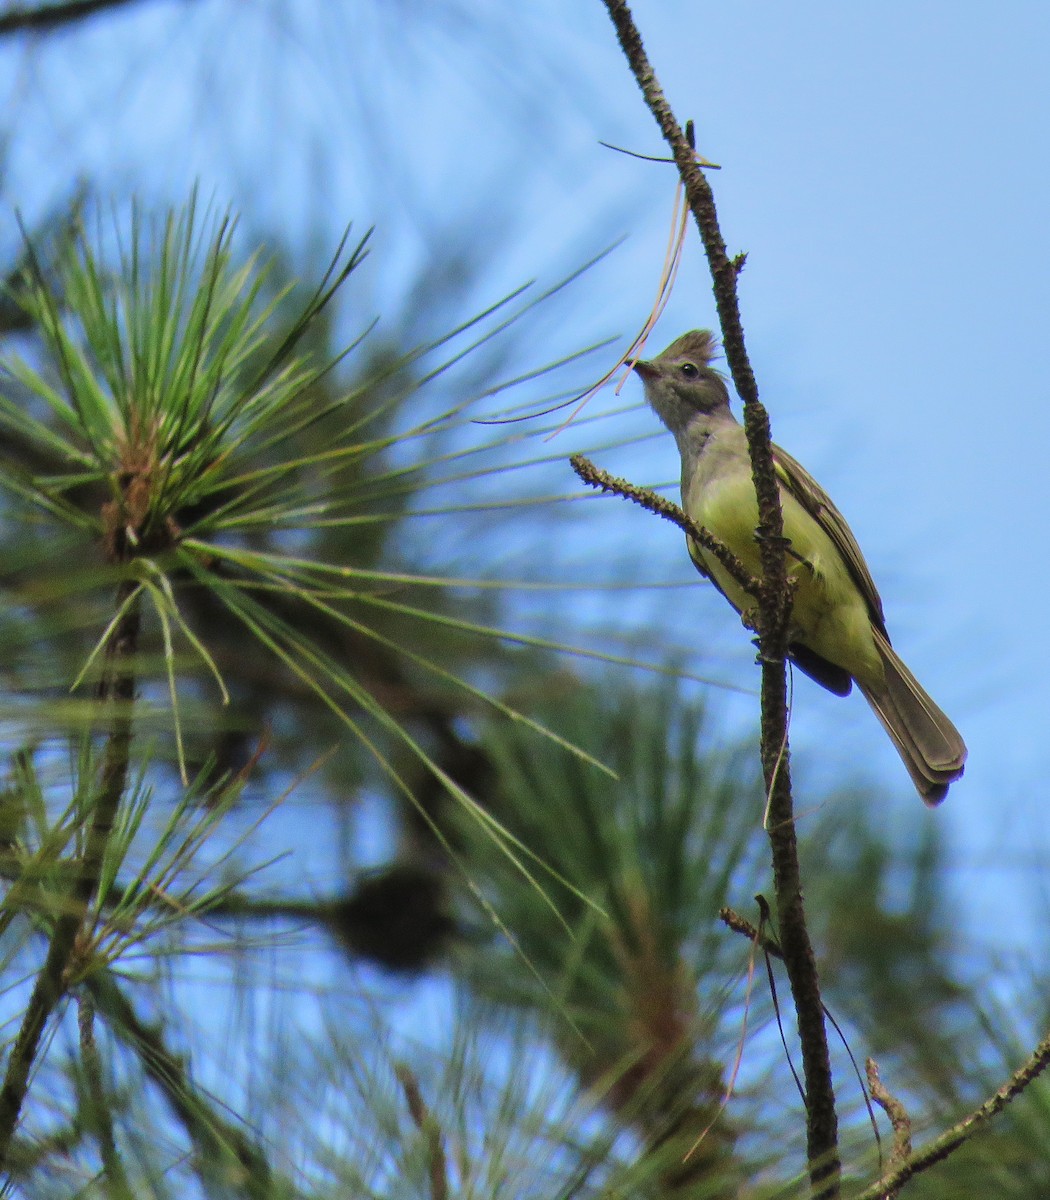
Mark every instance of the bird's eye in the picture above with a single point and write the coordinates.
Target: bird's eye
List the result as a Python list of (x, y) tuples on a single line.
[(689, 370)]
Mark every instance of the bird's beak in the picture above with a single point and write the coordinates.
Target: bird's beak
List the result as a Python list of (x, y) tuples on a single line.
[(646, 369)]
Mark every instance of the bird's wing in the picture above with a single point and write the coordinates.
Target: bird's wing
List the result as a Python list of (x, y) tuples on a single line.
[(817, 503)]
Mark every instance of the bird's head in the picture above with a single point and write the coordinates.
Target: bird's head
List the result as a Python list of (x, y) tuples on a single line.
[(680, 383)]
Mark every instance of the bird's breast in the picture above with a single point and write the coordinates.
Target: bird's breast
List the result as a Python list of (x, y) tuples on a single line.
[(829, 614)]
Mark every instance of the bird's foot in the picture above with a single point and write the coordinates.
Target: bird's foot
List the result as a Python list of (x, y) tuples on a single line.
[(768, 538), (762, 660)]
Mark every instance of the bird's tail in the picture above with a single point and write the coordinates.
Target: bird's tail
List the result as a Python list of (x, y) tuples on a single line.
[(928, 743)]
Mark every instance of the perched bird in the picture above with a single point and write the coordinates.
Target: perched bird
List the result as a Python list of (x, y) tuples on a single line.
[(837, 632)]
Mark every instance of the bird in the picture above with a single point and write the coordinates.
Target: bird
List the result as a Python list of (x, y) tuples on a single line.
[(837, 629)]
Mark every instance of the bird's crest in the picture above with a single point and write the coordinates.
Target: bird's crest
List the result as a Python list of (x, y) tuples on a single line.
[(700, 345)]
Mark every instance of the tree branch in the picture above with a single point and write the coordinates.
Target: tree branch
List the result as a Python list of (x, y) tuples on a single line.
[(774, 610), (949, 1141), (897, 1113), (649, 500)]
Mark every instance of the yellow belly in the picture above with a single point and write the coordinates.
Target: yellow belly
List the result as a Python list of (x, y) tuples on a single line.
[(829, 616)]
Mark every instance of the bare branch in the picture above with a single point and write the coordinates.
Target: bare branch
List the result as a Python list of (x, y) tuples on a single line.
[(949, 1141), (897, 1113), (774, 611), (738, 924), (649, 500)]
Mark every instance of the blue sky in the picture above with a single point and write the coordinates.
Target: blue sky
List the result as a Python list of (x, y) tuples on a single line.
[(884, 167)]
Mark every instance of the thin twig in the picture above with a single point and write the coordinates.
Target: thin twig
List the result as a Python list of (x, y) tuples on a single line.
[(949, 1141), (649, 500), (898, 1115), (774, 610), (738, 924)]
